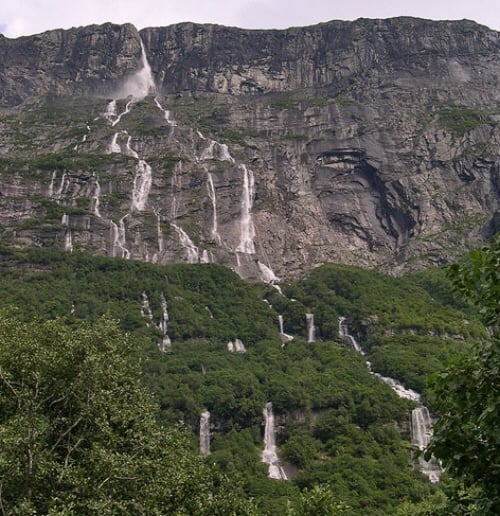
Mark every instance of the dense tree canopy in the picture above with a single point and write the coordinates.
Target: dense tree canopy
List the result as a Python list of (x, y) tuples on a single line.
[(78, 433), (467, 394)]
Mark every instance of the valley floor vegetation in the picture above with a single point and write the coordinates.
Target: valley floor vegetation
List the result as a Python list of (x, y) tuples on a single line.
[(80, 433)]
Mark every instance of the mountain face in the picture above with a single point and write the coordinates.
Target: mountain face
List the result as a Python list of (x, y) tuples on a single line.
[(372, 142)]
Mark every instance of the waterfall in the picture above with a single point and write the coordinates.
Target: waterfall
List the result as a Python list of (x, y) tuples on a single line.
[(205, 257), (310, 328), (211, 194), (95, 197), (126, 111), (193, 254), (215, 150), (247, 230), (84, 137), (166, 113), (421, 423), (119, 238), (142, 185), (146, 308), (110, 113), (399, 389), (68, 239), (51, 185), (114, 147), (208, 153), (141, 83), (421, 434), (270, 455), (344, 333), (60, 190), (266, 273), (166, 343), (236, 347), (284, 337), (205, 433), (159, 232)]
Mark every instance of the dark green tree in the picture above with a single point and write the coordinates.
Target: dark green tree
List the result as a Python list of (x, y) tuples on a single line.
[(78, 433), (467, 394)]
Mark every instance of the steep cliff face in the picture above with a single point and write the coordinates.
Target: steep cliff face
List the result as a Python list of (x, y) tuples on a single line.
[(372, 142)]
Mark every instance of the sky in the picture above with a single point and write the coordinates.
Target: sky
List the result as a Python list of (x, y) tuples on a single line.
[(24, 17)]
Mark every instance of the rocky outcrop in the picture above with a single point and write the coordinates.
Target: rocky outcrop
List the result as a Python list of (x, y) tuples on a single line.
[(372, 142), (80, 61)]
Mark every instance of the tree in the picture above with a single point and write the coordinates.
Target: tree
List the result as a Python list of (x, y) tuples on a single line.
[(78, 433), (320, 500), (467, 394)]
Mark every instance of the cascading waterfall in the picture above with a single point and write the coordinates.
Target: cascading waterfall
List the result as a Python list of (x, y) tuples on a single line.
[(95, 196), (211, 194), (247, 229), (284, 336), (205, 433), (62, 185), (310, 328), (119, 238), (166, 343), (421, 423), (142, 185), (126, 111), (146, 308), (236, 346), (270, 455), (344, 333), (68, 238), (159, 231), (51, 185), (266, 273), (193, 253), (84, 137), (114, 146), (166, 113)]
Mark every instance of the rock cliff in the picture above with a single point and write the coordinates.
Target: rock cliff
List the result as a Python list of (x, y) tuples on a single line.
[(374, 142)]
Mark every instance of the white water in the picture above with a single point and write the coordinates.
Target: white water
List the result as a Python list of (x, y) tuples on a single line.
[(158, 231), (344, 333), (311, 334), (421, 423), (421, 434), (142, 185), (68, 238), (166, 113), (62, 185), (247, 230), (236, 347), (95, 197), (267, 274), (215, 150), (114, 146), (146, 308), (213, 198), (119, 239), (126, 111), (205, 433), (51, 185), (270, 454), (192, 252), (110, 113), (205, 257), (166, 343), (284, 336)]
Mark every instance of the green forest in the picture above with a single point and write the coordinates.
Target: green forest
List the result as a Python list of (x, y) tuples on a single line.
[(79, 357)]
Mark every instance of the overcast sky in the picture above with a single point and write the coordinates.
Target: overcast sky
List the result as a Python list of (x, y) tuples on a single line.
[(21, 17)]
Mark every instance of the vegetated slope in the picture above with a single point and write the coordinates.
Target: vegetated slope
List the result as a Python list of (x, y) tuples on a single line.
[(337, 423)]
